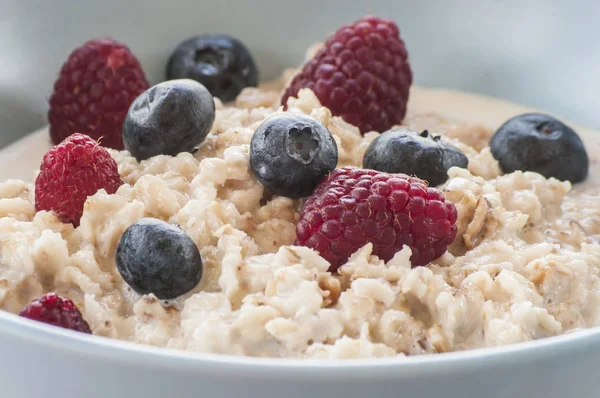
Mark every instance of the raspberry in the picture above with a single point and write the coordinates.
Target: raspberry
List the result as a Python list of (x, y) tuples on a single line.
[(70, 172), (93, 92), (58, 311), (352, 207), (361, 74)]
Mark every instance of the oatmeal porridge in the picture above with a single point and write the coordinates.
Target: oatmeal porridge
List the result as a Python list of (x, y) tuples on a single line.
[(524, 264)]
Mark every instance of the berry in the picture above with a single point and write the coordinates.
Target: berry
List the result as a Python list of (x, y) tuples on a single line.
[(58, 311), (540, 143), (220, 62), (361, 74), (289, 153), (352, 207), (169, 118), (71, 172), (409, 152), (95, 87), (156, 257)]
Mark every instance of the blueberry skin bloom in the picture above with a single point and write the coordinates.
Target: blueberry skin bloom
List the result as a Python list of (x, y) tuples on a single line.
[(417, 154), (220, 62), (156, 257), (290, 153), (542, 144), (169, 118)]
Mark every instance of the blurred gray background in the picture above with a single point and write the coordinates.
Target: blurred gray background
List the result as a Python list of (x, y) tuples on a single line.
[(544, 54)]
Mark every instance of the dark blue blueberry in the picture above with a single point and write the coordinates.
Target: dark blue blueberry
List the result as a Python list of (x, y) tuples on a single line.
[(169, 118), (540, 143), (413, 153), (289, 153), (156, 257), (220, 62)]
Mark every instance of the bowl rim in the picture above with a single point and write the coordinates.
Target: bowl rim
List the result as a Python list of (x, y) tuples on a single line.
[(222, 365)]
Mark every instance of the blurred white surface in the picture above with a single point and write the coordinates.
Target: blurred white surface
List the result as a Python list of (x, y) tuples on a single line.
[(541, 53)]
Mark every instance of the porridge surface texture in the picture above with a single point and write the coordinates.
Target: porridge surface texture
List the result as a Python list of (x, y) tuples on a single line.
[(525, 264)]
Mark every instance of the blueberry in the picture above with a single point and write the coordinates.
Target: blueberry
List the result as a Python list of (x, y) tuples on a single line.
[(169, 118), (289, 153), (413, 153), (540, 143), (220, 62), (156, 257)]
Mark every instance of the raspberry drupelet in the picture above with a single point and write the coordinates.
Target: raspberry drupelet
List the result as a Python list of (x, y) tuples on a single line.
[(362, 74), (93, 91), (352, 207), (71, 172), (58, 311)]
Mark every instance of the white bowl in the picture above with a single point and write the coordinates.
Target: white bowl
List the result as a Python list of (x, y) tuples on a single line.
[(481, 46), (41, 361)]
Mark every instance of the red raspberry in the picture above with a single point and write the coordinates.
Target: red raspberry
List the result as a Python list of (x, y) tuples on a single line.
[(72, 171), (93, 92), (361, 74), (58, 311), (354, 206)]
